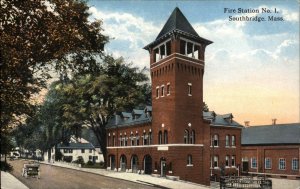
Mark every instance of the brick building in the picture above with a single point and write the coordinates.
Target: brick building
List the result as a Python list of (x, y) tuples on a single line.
[(225, 146), (272, 150), (172, 139)]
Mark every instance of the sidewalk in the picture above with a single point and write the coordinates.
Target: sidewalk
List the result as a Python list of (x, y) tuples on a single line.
[(133, 177), (8, 181)]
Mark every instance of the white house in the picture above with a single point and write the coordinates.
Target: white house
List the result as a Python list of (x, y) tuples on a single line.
[(78, 148)]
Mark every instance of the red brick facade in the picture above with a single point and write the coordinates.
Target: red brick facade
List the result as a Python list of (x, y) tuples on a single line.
[(228, 150), (289, 155)]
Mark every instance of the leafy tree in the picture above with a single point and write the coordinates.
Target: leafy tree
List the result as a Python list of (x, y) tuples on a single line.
[(94, 99), (205, 107), (37, 36)]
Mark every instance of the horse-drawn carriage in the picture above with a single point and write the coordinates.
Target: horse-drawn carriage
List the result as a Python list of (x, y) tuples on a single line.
[(31, 169)]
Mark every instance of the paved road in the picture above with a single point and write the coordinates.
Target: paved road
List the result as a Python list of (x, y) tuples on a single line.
[(57, 178)]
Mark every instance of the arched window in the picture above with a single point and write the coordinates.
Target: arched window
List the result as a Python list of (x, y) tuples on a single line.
[(233, 140), (192, 137), (186, 136), (165, 137), (159, 137)]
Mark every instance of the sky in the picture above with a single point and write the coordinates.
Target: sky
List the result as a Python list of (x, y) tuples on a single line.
[(251, 69)]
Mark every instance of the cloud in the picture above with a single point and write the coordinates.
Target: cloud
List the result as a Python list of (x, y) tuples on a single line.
[(129, 33)]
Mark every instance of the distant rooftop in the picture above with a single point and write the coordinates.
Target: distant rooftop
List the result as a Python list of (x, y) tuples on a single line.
[(271, 134)]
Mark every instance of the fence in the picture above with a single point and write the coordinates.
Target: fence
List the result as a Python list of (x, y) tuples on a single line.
[(245, 182)]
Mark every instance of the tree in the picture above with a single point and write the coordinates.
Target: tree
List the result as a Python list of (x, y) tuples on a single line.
[(94, 98), (37, 36), (205, 107)]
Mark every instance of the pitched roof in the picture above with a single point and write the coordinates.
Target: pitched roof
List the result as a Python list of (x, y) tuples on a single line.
[(221, 120), (177, 21), (271, 134), (75, 146), (119, 121)]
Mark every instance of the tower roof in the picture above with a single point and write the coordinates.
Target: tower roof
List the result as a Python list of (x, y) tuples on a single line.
[(177, 23)]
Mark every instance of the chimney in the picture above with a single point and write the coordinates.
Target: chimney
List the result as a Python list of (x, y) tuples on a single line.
[(247, 123), (274, 121)]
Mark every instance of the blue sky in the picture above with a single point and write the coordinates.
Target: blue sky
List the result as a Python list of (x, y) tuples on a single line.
[(252, 68)]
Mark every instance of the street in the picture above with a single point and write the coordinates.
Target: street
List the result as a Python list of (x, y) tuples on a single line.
[(56, 177)]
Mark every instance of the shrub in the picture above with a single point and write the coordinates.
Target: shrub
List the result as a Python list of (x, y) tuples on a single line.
[(79, 160), (68, 159), (90, 163), (102, 164), (5, 166), (58, 155)]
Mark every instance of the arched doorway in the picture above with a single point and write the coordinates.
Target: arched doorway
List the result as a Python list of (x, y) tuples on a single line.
[(134, 163), (163, 167), (147, 164), (112, 162), (123, 163)]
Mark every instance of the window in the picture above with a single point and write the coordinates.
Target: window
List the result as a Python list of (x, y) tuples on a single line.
[(90, 158), (192, 137), (227, 140), (295, 164), (216, 161), (166, 137), (108, 140), (168, 89), (91, 151), (114, 140), (189, 160), (70, 150), (132, 140), (268, 164), (253, 163), (186, 136), (227, 161), (82, 150), (157, 92), (150, 137), (145, 137), (232, 140), (125, 140), (137, 139), (163, 91), (65, 151), (216, 140), (159, 137), (189, 89), (281, 165), (233, 161)]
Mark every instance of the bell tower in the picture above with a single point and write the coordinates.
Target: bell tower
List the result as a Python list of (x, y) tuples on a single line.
[(177, 66)]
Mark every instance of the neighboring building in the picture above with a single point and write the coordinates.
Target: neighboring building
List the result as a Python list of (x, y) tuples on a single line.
[(273, 150), (172, 139), (225, 146), (77, 148)]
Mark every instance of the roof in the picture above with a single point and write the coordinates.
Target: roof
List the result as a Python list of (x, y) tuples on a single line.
[(271, 134), (123, 121), (221, 120), (75, 146), (177, 23)]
